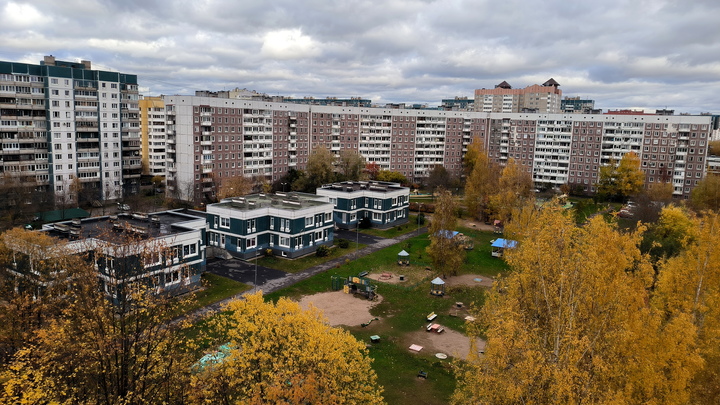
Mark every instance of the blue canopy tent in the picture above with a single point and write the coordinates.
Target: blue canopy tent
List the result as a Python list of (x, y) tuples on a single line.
[(499, 245)]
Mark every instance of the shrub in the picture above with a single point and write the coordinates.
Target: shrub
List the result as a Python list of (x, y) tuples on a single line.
[(269, 253), (322, 251), (365, 223), (343, 243)]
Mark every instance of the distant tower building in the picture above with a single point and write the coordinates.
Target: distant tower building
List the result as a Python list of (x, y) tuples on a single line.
[(576, 105), (154, 137), (543, 99)]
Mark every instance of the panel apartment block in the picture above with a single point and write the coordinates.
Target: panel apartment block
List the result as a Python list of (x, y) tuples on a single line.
[(61, 121), (266, 139)]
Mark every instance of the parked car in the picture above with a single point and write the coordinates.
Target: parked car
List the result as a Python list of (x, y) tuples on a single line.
[(123, 207)]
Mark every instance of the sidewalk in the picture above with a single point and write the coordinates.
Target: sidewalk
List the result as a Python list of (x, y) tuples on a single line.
[(290, 279)]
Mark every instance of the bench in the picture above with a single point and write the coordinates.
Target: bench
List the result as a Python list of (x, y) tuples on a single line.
[(431, 316)]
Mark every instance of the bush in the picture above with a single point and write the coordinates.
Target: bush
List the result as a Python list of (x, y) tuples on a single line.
[(365, 223), (421, 219), (344, 243), (322, 251), (269, 253)]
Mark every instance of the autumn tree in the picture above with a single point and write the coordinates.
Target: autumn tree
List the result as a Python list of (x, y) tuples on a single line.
[(235, 187), (283, 354), (666, 238), (391, 176), (481, 182), (35, 273), (689, 287), (515, 188), (651, 200), (438, 177), (350, 165), (97, 350), (571, 324), (706, 195), (372, 170), (620, 180), (320, 170), (445, 252)]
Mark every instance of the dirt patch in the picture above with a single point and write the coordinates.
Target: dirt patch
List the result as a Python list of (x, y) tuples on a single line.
[(449, 342), (469, 280), (340, 308), (473, 224)]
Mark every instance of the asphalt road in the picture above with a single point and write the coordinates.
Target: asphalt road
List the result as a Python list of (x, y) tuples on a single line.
[(243, 272)]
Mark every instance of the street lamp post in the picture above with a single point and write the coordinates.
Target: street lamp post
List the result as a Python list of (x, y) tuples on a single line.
[(357, 238), (256, 271)]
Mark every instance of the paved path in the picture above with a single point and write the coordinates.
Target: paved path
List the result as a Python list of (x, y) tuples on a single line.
[(272, 284)]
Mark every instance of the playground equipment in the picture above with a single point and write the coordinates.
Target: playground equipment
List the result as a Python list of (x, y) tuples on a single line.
[(355, 285)]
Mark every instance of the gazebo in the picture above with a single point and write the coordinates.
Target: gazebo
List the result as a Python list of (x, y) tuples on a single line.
[(437, 287), (499, 245), (404, 258)]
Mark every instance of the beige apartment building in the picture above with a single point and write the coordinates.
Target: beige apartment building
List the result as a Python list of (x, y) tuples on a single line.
[(543, 99)]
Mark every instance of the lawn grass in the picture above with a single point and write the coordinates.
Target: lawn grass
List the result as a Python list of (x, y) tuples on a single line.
[(303, 263), (410, 226), (217, 288), (403, 310)]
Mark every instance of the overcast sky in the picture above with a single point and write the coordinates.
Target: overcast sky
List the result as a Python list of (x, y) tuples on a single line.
[(623, 54)]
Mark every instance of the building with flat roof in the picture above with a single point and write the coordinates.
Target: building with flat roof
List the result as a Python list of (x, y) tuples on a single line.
[(290, 224), (164, 250), (70, 130), (385, 204)]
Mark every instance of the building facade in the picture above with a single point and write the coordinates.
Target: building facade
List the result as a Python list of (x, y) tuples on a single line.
[(153, 136), (213, 138), (163, 250), (291, 225), (385, 204), (69, 130)]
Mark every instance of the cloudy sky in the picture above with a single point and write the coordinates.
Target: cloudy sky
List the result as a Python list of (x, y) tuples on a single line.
[(639, 53)]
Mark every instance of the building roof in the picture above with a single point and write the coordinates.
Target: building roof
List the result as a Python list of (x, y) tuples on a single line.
[(287, 201), (551, 82), (376, 186), (504, 243), (504, 85), (116, 228)]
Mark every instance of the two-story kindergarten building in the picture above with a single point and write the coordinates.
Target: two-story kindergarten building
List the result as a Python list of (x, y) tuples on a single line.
[(164, 250), (386, 204), (292, 224)]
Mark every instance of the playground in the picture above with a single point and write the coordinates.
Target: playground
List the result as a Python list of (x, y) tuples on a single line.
[(340, 308)]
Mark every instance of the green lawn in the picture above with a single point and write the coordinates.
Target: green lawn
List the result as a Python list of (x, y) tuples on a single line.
[(403, 310), (217, 288), (410, 226), (297, 265)]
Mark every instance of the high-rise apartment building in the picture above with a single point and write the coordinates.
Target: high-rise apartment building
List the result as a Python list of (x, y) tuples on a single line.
[(210, 139), (154, 138), (69, 130), (503, 98)]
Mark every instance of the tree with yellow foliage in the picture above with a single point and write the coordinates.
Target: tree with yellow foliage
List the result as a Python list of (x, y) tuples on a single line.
[(515, 189), (446, 252), (620, 180), (689, 287), (706, 195), (282, 354), (571, 324), (235, 187), (481, 181)]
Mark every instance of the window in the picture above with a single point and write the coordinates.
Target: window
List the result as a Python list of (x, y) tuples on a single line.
[(353, 217), (328, 216), (377, 216), (318, 236), (189, 250), (308, 221), (250, 243), (251, 225), (284, 224), (284, 241), (225, 222)]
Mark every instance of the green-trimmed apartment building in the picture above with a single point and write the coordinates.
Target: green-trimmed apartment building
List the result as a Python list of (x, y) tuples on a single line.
[(386, 204), (292, 224)]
